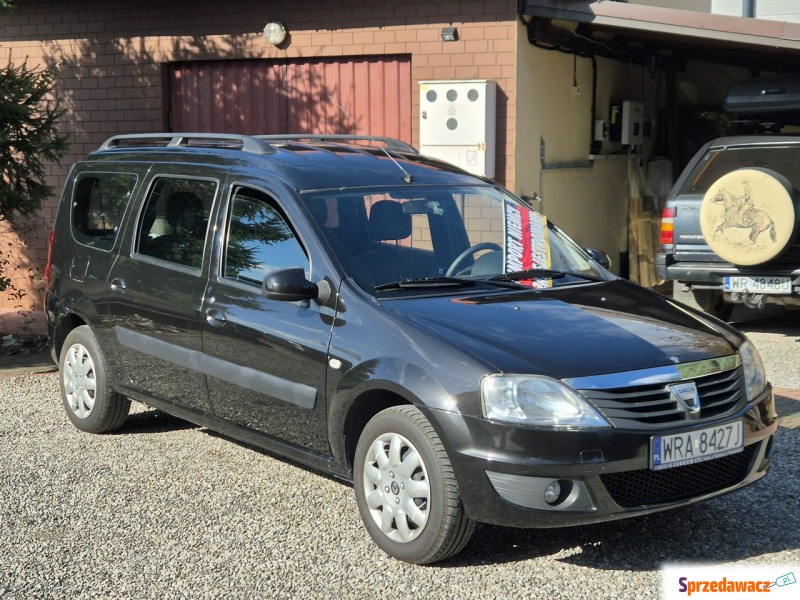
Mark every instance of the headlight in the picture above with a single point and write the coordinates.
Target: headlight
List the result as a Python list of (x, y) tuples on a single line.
[(537, 400), (755, 377)]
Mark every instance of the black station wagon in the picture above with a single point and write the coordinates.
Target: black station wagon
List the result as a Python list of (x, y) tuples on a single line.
[(398, 323)]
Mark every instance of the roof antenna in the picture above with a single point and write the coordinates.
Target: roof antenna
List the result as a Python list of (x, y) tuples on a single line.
[(407, 177)]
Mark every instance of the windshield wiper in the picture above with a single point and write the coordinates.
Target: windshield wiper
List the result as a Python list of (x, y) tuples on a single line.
[(444, 282), (543, 274), (425, 282)]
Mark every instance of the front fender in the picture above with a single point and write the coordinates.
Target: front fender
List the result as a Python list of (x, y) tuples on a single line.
[(365, 389)]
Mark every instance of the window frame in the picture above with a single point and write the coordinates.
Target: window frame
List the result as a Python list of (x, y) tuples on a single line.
[(272, 201), (121, 221), (136, 238)]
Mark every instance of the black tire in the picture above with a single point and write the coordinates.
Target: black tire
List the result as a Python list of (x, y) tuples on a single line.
[(89, 400), (446, 528), (711, 302)]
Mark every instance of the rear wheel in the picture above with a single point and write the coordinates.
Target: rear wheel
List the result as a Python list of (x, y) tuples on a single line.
[(89, 400), (406, 491)]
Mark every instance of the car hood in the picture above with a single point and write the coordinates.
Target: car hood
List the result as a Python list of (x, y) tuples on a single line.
[(571, 331)]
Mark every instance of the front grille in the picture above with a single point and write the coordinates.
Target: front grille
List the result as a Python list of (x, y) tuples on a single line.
[(652, 405), (638, 488)]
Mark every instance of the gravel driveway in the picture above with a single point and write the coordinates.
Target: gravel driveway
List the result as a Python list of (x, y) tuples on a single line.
[(164, 509)]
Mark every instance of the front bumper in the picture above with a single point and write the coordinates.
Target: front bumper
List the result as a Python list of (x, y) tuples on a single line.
[(503, 470)]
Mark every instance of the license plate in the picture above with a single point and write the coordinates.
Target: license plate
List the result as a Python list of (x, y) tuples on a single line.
[(691, 447), (758, 285)]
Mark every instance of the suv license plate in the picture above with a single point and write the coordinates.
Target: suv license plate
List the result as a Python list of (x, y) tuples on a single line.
[(758, 285), (681, 449)]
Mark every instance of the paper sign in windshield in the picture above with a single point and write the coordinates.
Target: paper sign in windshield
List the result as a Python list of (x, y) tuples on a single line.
[(527, 244)]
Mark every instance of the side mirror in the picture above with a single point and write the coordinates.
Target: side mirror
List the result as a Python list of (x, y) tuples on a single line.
[(598, 256), (288, 285)]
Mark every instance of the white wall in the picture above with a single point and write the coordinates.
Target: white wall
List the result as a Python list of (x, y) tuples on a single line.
[(776, 10), (695, 5), (728, 7)]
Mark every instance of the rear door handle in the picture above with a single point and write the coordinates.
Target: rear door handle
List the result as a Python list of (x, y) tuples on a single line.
[(215, 317), (118, 285)]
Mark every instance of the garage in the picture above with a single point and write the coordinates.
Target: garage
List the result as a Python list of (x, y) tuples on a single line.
[(674, 67), (356, 95), (687, 59)]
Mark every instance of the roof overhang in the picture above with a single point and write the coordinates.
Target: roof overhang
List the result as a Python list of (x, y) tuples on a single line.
[(617, 29)]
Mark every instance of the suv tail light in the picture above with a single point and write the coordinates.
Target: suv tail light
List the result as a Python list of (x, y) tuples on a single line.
[(48, 267), (668, 228)]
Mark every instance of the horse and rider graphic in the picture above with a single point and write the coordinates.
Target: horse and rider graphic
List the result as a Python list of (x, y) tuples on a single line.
[(750, 216), (740, 212)]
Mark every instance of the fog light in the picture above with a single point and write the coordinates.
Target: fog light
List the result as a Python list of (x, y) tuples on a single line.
[(552, 493)]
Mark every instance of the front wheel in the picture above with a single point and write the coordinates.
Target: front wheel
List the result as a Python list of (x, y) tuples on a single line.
[(91, 404), (406, 490)]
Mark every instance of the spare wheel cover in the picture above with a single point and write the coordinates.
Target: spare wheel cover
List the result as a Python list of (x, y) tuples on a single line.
[(749, 216)]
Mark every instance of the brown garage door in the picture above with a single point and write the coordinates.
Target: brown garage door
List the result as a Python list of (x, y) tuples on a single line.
[(360, 95)]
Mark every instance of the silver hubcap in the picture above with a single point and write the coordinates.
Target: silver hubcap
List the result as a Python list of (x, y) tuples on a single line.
[(396, 487), (80, 384)]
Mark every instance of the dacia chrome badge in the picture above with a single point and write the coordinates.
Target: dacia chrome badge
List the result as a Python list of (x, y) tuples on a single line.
[(686, 394)]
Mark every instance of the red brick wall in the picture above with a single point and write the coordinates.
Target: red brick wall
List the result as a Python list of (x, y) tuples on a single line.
[(112, 78)]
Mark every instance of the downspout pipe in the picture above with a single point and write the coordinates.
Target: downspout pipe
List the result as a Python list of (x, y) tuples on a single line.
[(594, 146), (749, 8)]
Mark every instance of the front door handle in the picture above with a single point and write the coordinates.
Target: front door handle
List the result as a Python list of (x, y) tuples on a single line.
[(215, 317), (118, 285)]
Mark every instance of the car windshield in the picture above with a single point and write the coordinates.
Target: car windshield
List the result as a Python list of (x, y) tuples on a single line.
[(443, 237)]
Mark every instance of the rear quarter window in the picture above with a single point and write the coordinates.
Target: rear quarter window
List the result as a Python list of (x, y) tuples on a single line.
[(98, 203)]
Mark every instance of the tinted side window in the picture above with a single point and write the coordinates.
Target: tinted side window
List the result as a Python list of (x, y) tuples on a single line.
[(783, 159), (259, 239), (98, 203), (175, 220)]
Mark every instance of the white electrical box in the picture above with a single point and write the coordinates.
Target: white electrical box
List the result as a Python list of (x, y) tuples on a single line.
[(627, 123), (458, 122), (600, 130), (632, 122)]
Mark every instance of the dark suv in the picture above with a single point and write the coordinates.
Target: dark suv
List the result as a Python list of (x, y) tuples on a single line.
[(730, 231), (396, 322)]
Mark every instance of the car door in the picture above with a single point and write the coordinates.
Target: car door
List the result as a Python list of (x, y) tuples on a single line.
[(265, 359), (156, 290), (99, 196)]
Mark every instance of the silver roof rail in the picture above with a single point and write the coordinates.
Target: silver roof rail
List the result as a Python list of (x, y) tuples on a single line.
[(231, 141), (389, 143)]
